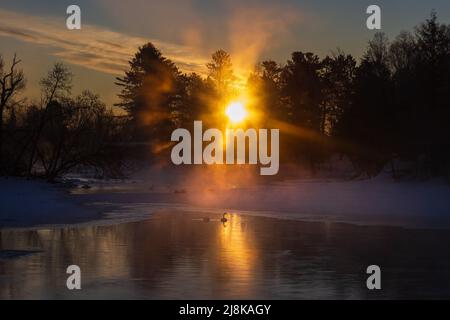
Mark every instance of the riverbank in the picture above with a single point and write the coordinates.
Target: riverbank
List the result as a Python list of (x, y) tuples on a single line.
[(380, 200), (33, 202)]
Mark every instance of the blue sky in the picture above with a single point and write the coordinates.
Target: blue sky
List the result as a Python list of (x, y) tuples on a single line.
[(188, 31)]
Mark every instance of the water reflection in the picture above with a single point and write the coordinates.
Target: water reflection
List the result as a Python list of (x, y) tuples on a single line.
[(236, 256), (182, 255)]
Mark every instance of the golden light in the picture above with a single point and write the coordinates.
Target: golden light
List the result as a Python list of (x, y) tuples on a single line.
[(236, 112)]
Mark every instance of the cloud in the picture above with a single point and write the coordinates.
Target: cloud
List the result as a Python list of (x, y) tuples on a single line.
[(254, 30), (93, 47)]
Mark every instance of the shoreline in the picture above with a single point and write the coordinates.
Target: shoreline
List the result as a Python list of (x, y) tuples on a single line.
[(38, 204), (35, 202), (107, 218)]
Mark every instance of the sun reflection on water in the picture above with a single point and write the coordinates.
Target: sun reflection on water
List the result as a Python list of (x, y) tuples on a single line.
[(237, 254)]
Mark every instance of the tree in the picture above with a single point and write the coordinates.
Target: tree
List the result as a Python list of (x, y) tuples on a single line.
[(403, 53), (197, 98), (220, 72), (55, 87), (57, 84), (264, 83), (403, 58), (78, 132), (12, 81), (301, 86), (433, 72), (150, 91), (370, 121), (301, 94), (338, 76)]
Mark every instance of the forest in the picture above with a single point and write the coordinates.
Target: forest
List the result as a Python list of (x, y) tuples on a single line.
[(390, 106)]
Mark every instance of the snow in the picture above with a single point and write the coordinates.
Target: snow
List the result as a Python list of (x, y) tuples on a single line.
[(31, 202), (370, 201), (380, 200)]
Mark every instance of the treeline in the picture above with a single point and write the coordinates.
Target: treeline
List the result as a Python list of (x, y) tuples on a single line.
[(60, 132), (391, 106)]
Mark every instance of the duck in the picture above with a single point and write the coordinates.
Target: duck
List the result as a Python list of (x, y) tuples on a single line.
[(223, 218)]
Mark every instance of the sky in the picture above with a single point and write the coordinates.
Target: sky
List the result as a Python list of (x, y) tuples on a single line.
[(188, 31)]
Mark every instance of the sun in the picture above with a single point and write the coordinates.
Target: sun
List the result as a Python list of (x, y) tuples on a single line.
[(236, 111)]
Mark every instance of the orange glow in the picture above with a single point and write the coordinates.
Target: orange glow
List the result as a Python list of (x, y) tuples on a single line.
[(237, 254)]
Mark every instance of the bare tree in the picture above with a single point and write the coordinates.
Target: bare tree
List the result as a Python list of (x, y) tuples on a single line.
[(55, 87), (78, 133), (11, 82), (57, 84)]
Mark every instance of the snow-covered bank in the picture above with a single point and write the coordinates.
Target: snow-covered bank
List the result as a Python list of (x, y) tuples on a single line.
[(381, 200), (31, 202)]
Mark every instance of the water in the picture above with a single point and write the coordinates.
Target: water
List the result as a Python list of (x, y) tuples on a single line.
[(178, 255)]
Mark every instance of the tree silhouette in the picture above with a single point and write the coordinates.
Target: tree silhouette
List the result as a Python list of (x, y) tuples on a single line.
[(220, 72), (196, 100), (433, 70), (338, 76), (12, 81), (264, 85), (55, 87), (150, 89), (78, 132), (301, 86), (391, 105), (370, 120)]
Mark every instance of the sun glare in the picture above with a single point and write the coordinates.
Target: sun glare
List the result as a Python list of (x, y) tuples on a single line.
[(236, 112)]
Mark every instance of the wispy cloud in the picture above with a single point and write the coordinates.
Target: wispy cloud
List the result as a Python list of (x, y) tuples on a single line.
[(255, 29), (92, 47)]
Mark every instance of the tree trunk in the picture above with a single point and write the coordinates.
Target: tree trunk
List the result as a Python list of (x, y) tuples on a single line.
[(1, 140)]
